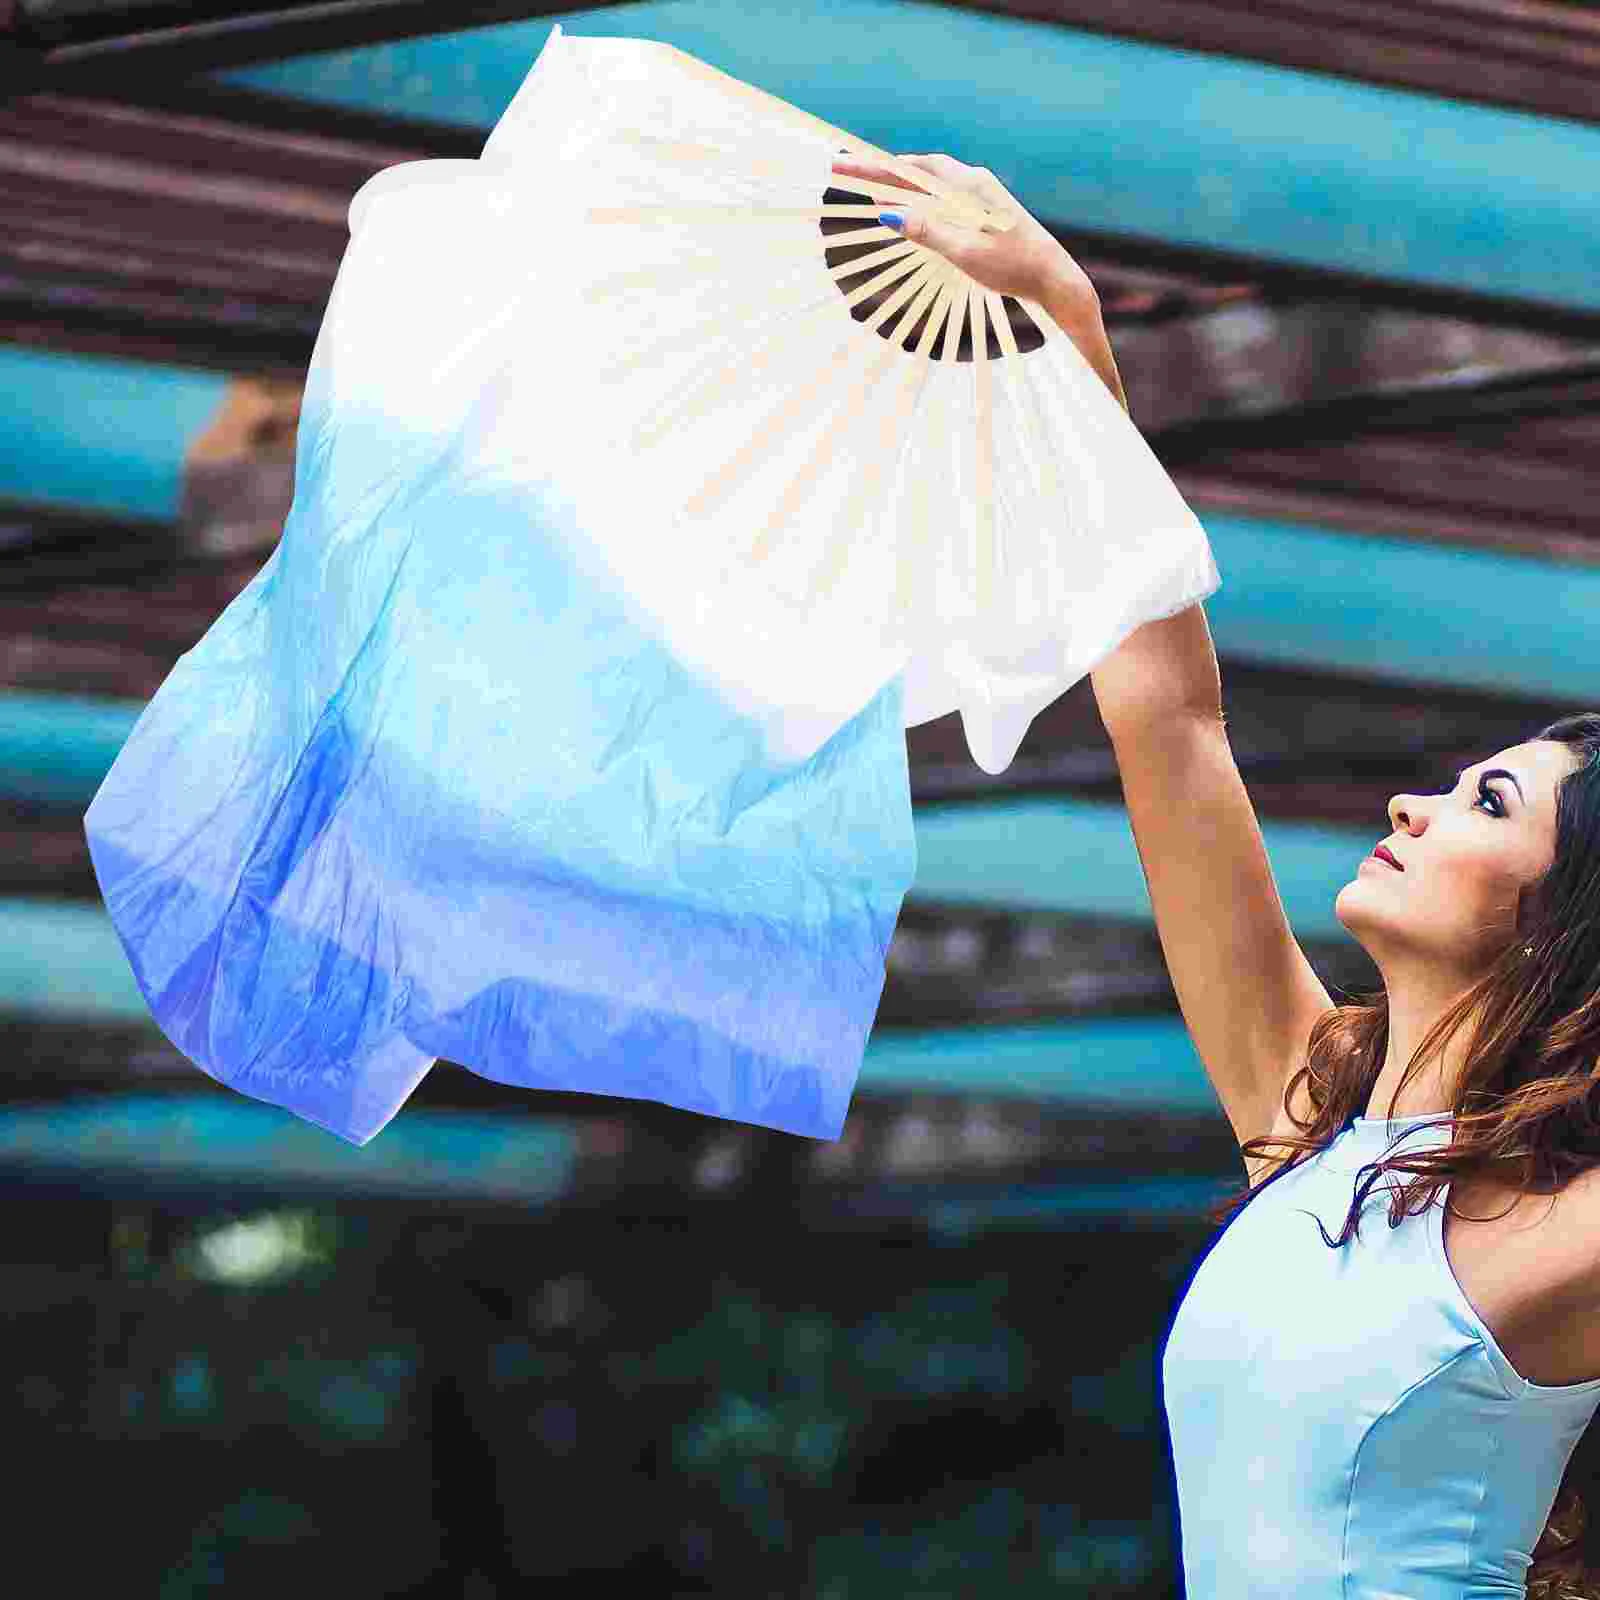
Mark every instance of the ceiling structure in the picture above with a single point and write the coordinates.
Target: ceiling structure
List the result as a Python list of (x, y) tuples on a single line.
[(159, 215)]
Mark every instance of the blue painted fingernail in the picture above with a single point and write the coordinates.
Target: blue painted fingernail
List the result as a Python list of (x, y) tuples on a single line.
[(891, 219)]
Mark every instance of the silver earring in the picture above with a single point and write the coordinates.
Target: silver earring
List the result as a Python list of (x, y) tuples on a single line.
[(1527, 949)]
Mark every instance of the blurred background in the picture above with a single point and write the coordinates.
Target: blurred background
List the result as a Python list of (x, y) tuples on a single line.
[(1350, 263)]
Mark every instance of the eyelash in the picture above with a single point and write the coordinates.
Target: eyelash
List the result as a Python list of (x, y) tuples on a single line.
[(1484, 793)]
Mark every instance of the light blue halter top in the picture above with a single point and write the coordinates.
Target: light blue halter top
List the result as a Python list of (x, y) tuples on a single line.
[(1342, 1421)]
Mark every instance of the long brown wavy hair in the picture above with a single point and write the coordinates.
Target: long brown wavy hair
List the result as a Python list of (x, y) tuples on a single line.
[(1528, 1102)]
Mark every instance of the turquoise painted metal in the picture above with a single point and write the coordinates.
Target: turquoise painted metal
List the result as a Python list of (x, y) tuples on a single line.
[(1094, 131), (1292, 592), (440, 1155), (56, 749), (98, 435), (60, 961), (64, 962), (433, 1155), (1113, 1062)]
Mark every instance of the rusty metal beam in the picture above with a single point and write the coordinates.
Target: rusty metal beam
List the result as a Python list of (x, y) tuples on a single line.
[(1535, 55), (91, 49)]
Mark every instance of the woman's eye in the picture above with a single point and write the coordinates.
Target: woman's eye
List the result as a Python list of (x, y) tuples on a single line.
[(1497, 809)]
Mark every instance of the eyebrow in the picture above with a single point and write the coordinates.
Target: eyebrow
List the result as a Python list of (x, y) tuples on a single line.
[(1496, 772)]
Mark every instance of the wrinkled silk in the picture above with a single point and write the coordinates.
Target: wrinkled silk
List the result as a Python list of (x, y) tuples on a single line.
[(450, 778)]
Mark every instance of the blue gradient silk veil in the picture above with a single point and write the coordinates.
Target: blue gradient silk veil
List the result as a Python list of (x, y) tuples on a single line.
[(424, 791), (438, 784)]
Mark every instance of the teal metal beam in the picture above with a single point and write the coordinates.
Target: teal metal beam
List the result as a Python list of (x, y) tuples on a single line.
[(428, 1154), (439, 1155), (1089, 131), (1059, 854), (84, 431), (55, 750), (1147, 1063), (64, 963), (100, 435), (1182, 1197), (1070, 856)]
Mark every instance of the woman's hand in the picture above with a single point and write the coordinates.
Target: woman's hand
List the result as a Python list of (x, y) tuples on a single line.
[(1027, 261)]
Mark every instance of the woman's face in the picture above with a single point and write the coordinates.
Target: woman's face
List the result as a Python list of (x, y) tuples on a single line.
[(1468, 856)]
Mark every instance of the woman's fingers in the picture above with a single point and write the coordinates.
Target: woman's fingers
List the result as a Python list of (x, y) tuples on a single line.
[(876, 174), (978, 182), (1025, 260)]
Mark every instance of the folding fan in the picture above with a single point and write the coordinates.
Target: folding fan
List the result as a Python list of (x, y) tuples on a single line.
[(812, 476), (562, 734)]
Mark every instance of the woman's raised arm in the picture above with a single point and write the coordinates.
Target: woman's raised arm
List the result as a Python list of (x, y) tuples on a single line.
[(1248, 994)]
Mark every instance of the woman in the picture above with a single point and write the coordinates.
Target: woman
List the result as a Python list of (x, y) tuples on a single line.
[(1390, 1413)]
